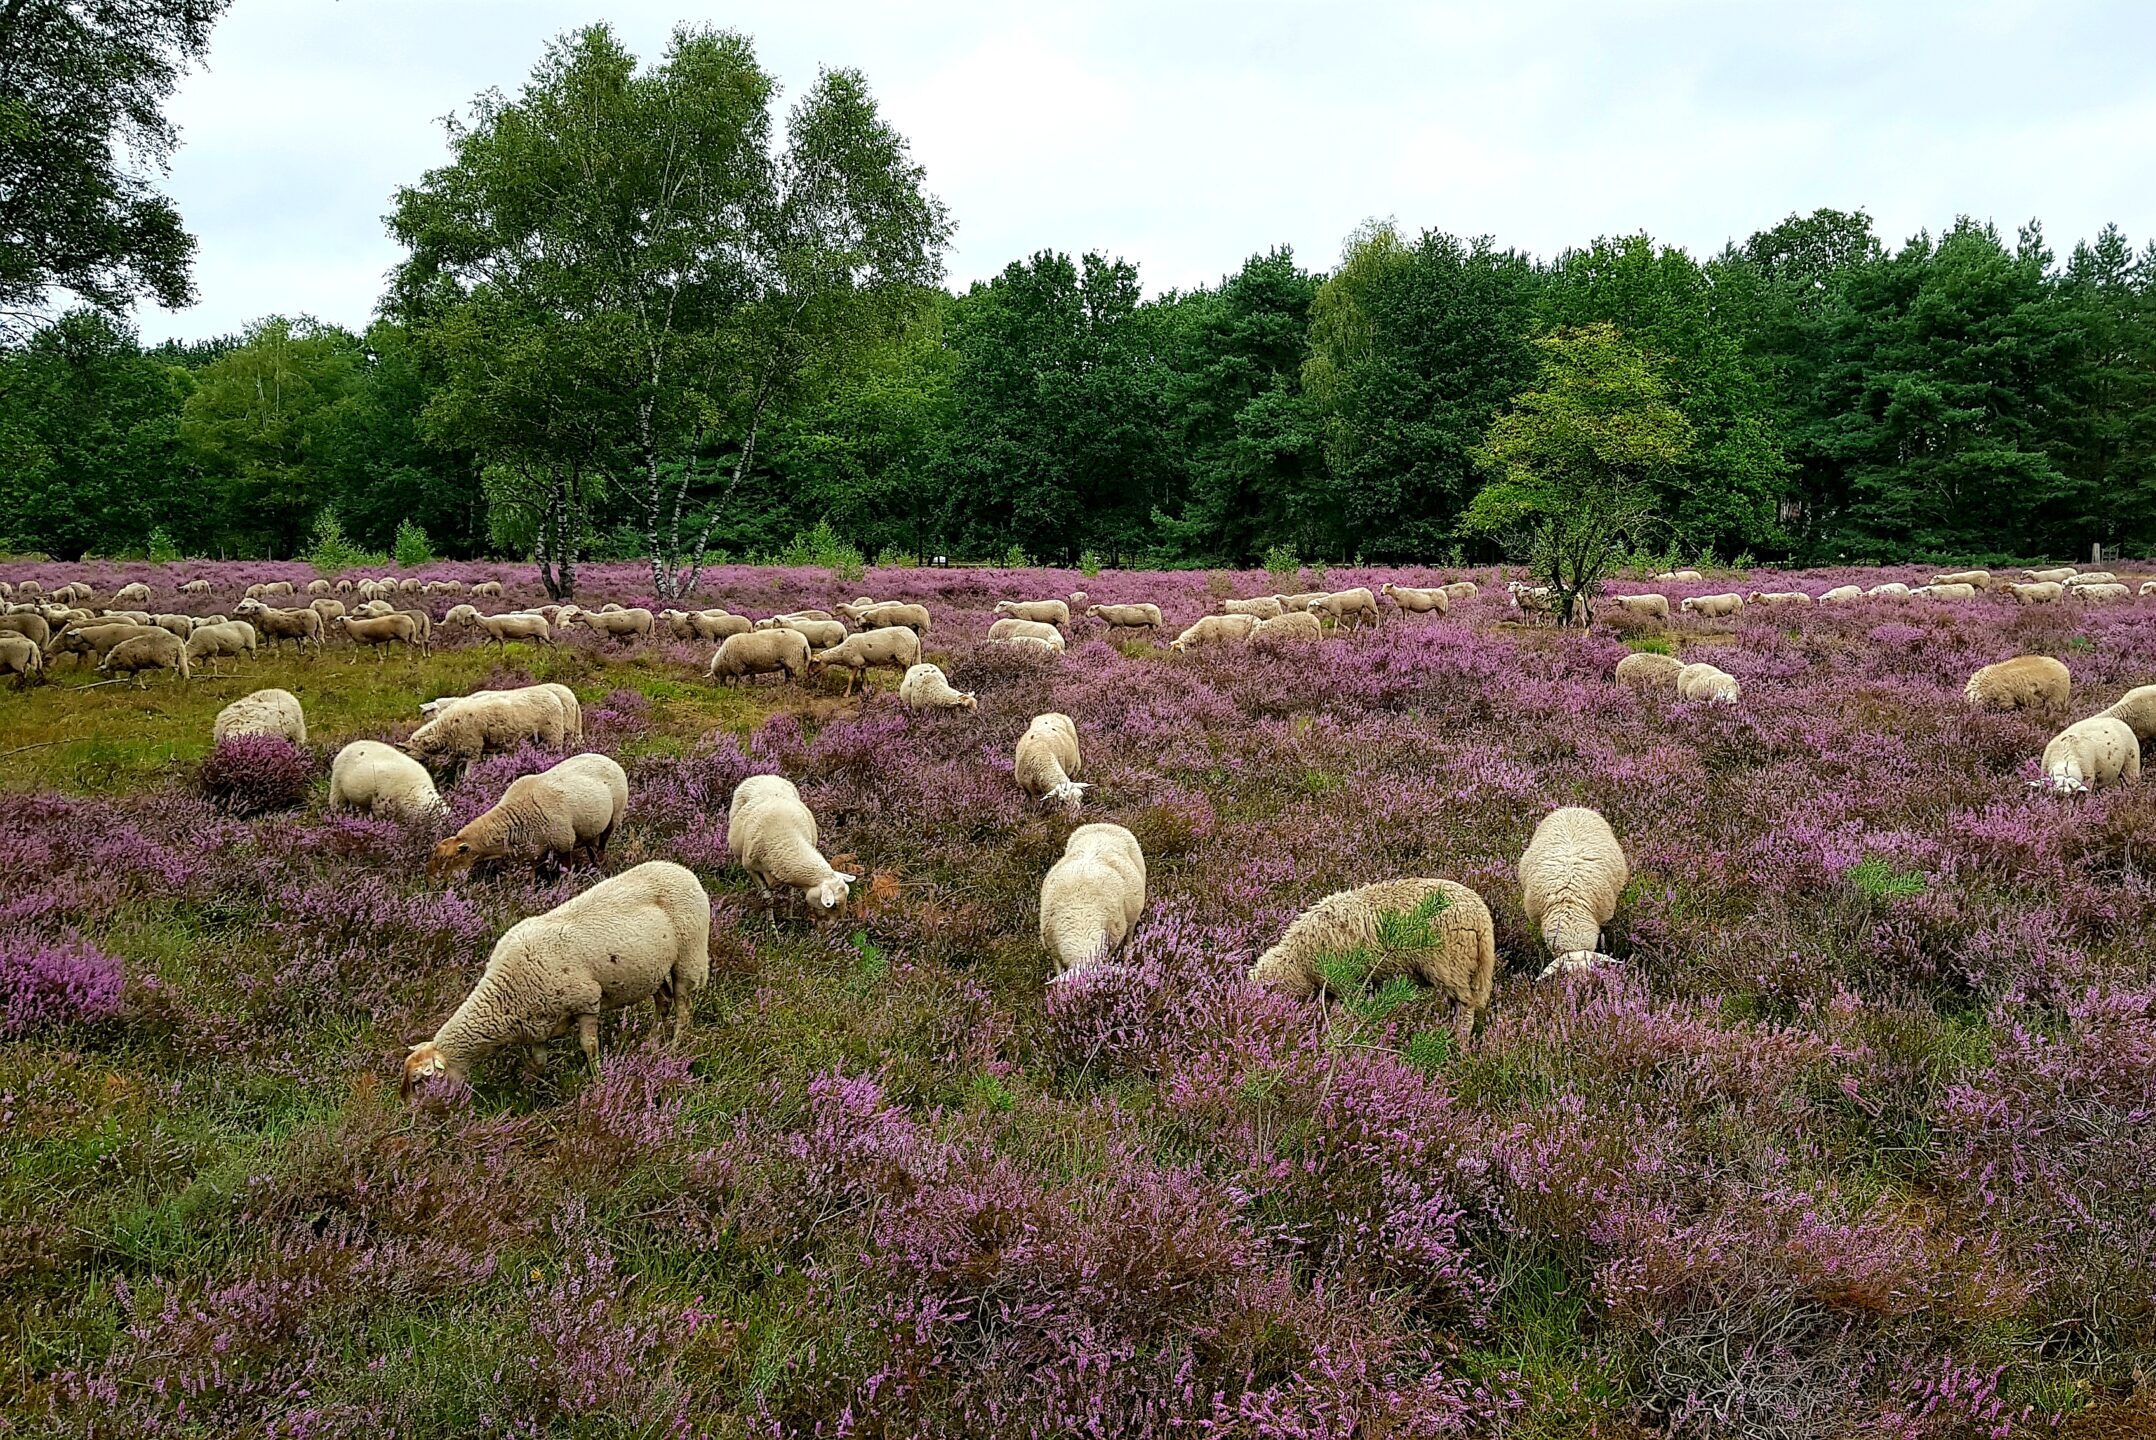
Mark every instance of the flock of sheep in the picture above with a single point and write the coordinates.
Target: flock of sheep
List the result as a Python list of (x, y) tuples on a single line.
[(643, 935)]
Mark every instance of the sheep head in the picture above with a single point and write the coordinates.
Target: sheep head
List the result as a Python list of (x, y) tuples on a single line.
[(453, 858), (1070, 795), (423, 1062), (1571, 962), (2065, 780), (832, 890)]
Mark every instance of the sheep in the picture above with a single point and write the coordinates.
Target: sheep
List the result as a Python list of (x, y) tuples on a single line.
[(546, 714), (1297, 603), (1702, 681), (887, 614), (820, 634), (1778, 597), (1974, 579), (382, 631), (1571, 875), (410, 586), (213, 640), (301, 627), (27, 587), (20, 658), (1892, 590), (135, 594), (1033, 629), (490, 588), (327, 608), (1032, 642), (773, 836), (502, 629), (2036, 592), (622, 625), (1047, 612), (95, 642), (2137, 707), (1092, 897), (2090, 754), (761, 652), (2026, 682), (1682, 577), (2148, 587), (705, 624), (2092, 577), (1284, 628), (31, 626), (2110, 590), (195, 587), (1953, 590), (1215, 630), (1125, 617), (2058, 575), (151, 650), (895, 646), (1714, 607), (925, 688), (1265, 607), (1652, 607), (84, 617), (378, 779), (1341, 604), (318, 587), (643, 935), (792, 615), (1416, 602), (265, 712), (1048, 762), (1459, 590), (274, 587), (1436, 931), (544, 818), (1842, 595), (1646, 670), (373, 609)]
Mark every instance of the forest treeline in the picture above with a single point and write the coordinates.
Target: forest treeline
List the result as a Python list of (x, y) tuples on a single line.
[(1956, 395)]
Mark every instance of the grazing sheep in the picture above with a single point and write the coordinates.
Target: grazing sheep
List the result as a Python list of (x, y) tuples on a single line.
[(1341, 604), (276, 587), (1571, 876), (1974, 579), (1092, 897), (2092, 577), (925, 688), (2090, 754), (820, 634), (1842, 595), (1714, 607), (466, 728), (302, 627), (266, 712), (705, 624), (1296, 604), (643, 935), (2148, 587), (773, 836), (1955, 590), (1216, 630), (623, 625), (1702, 681), (151, 650), (1032, 642), (180, 625), (1048, 761), (1778, 597), (1453, 948), (373, 609), (887, 614), (195, 587), (2109, 590), (492, 588), (20, 658), (1682, 577), (26, 587), (31, 626), (547, 714), (761, 652), (1031, 629), (1285, 628), (792, 615), (501, 629), (1651, 607), (318, 587), (213, 640), (381, 631), (1416, 602), (410, 586), (1646, 670), (892, 646), (2137, 707), (1047, 612), (1125, 617), (1265, 607), (327, 608), (135, 594), (544, 818), (2036, 592), (2026, 682), (1892, 590), (2058, 575), (378, 779), (1459, 590), (92, 643)]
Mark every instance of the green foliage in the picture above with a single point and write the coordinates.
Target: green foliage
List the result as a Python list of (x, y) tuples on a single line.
[(1347, 973), (331, 553), (891, 557), (1283, 567), (1651, 644), (160, 548), (1431, 1051), (821, 547), (1877, 877), (1016, 558), (1088, 564), (411, 548)]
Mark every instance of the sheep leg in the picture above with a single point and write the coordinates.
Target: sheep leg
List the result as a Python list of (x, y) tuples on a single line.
[(587, 1035)]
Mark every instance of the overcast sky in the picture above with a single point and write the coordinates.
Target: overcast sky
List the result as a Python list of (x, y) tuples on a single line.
[(1185, 137)]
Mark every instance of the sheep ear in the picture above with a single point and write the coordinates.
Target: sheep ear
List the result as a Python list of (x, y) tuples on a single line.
[(849, 879)]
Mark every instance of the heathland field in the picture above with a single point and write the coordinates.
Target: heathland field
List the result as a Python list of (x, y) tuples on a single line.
[(1852, 1140)]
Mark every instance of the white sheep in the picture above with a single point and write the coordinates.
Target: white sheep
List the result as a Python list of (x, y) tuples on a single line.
[(925, 688), (1951, 590), (1702, 681), (2058, 575), (1714, 607), (544, 818), (1126, 617), (135, 594), (2090, 754), (1297, 602), (1048, 762), (20, 657), (2107, 590), (890, 646), (820, 634), (1646, 670), (1046, 645), (1265, 607), (1413, 601), (1092, 897), (1891, 590), (780, 652), (2148, 587), (2036, 592), (1778, 597), (1015, 629), (1047, 612), (265, 712), (706, 624), (1842, 595), (2092, 577), (2026, 682), (643, 935), (1435, 931), (1571, 876), (378, 779), (2137, 707), (773, 835), (1458, 590), (623, 625), (487, 724), (1285, 628), (153, 650), (1681, 577), (1215, 630), (569, 710), (875, 616), (1974, 579), (214, 640), (1339, 606), (1651, 607)]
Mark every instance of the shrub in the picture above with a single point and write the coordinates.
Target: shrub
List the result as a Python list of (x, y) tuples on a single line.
[(46, 984), (821, 547), (1651, 644), (895, 557), (161, 549), (411, 547), (1283, 565), (1016, 558), (332, 552), (248, 774), (1088, 564)]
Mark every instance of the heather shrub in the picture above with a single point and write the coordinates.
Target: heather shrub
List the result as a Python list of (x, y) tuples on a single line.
[(52, 984), (249, 774)]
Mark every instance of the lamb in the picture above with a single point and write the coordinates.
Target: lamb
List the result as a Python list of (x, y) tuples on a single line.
[(2137, 707), (1284, 628), (1714, 607), (491, 722), (892, 645), (1341, 604), (151, 650), (1459, 590), (195, 587), (1682, 577), (1953, 590), (2036, 592), (643, 935), (2058, 575), (382, 631), (1974, 579), (622, 625), (1265, 607), (1455, 950), (20, 658), (1778, 597), (1702, 681), (820, 634), (2026, 682), (2109, 590), (1842, 595), (544, 818), (887, 614), (761, 652), (28, 624), (1047, 612), (1125, 617), (213, 640), (135, 594), (706, 624), (1416, 602), (2090, 754), (925, 688), (1653, 607), (1030, 629), (266, 712), (1571, 876), (1092, 897), (773, 835), (378, 779), (301, 627), (1649, 671), (1048, 761), (1892, 589), (1215, 630)]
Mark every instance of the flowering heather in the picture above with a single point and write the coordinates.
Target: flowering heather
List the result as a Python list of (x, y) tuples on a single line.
[(248, 774), (1851, 1144)]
